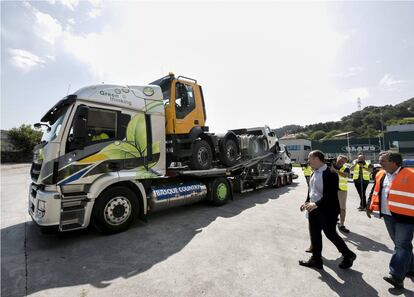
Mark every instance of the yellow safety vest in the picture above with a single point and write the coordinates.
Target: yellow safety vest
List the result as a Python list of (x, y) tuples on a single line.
[(101, 136), (343, 181), (365, 172), (307, 170)]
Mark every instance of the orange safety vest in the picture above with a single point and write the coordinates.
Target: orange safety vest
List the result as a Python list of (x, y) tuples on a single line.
[(401, 195)]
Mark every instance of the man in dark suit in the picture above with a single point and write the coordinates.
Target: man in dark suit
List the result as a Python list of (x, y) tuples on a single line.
[(323, 206)]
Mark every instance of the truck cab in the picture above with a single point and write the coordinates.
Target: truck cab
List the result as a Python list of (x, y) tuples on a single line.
[(188, 140), (95, 138)]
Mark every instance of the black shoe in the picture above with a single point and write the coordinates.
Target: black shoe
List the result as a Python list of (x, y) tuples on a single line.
[(309, 250), (397, 283), (312, 263), (347, 261), (343, 228), (360, 208)]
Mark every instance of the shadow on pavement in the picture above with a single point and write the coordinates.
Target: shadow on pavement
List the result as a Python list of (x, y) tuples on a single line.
[(353, 285), (365, 244), (86, 257)]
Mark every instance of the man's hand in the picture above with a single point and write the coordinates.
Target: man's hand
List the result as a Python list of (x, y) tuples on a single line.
[(311, 206), (369, 212), (303, 206)]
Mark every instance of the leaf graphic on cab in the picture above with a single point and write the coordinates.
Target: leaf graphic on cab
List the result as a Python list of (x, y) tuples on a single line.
[(120, 150), (137, 133)]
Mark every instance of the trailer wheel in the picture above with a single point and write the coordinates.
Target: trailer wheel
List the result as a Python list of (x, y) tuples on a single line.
[(283, 180), (202, 155), (289, 179), (114, 210), (229, 154), (277, 183), (219, 191)]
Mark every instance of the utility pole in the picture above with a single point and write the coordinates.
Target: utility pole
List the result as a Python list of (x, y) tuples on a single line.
[(382, 130)]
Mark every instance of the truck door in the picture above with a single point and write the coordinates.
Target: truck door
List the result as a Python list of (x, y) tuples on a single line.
[(189, 109)]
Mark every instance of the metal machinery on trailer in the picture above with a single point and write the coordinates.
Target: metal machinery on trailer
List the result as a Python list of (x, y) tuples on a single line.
[(112, 153)]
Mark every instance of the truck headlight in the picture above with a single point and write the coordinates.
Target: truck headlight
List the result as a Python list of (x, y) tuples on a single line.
[(41, 208), (38, 156), (41, 205)]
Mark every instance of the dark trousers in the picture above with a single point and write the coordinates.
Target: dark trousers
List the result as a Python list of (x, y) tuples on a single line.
[(319, 222), (361, 187)]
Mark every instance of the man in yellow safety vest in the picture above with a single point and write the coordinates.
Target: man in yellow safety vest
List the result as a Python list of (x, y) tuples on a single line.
[(307, 171), (341, 168), (361, 175), (99, 135)]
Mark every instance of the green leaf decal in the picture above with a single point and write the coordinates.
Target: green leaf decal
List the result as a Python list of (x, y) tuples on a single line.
[(137, 134), (120, 150)]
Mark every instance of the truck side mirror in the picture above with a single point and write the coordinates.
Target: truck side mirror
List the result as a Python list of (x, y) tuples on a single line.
[(80, 121)]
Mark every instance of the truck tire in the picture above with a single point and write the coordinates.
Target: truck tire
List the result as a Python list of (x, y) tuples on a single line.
[(219, 191), (265, 145), (228, 156), (254, 146), (277, 182), (202, 155), (114, 210), (283, 180)]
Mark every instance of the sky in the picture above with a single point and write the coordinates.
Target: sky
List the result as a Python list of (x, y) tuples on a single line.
[(259, 63)]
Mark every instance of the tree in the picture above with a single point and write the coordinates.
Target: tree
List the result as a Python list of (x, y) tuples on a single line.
[(317, 135), (331, 133), (24, 138)]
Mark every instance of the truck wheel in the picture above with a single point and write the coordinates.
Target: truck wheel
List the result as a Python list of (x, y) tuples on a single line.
[(277, 183), (229, 154), (202, 155), (114, 210), (219, 191), (254, 146), (283, 180), (265, 145)]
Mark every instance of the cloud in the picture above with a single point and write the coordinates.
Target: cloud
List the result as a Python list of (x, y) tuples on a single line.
[(71, 4), (389, 83), (280, 61), (95, 12), (24, 60), (71, 21), (96, 3), (351, 71), (46, 27)]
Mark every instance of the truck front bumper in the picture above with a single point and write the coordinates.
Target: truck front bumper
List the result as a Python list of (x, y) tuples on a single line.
[(44, 206)]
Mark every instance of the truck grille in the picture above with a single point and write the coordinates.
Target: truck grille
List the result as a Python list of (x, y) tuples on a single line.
[(35, 171)]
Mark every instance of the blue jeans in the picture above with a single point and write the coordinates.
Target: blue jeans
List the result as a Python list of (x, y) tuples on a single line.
[(402, 259)]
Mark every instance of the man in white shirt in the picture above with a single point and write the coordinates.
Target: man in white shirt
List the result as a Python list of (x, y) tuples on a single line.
[(323, 206)]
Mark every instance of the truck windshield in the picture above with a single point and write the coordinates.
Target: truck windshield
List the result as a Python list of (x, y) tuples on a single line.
[(165, 84), (54, 130)]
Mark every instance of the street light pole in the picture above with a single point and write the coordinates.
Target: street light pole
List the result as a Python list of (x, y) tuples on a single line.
[(349, 148), (382, 131)]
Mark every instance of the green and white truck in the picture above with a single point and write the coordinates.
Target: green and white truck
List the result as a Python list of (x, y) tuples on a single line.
[(111, 154)]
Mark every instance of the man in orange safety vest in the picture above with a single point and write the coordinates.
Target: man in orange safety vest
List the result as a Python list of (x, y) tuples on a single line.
[(393, 197)]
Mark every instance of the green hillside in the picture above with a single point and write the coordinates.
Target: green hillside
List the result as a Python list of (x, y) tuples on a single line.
[(366, 122)]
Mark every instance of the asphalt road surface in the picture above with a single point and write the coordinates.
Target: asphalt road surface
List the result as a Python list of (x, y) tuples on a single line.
[(249, 247)]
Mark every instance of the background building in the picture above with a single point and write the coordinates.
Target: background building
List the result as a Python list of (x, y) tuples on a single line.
[(298, 148)]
